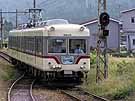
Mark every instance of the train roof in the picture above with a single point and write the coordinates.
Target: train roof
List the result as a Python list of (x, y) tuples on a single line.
[(54, 30)]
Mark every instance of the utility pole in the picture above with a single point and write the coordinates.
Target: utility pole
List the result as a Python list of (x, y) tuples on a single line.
[(1, 27), (34, 13), (34, 3), (16, 18), (102, 29)]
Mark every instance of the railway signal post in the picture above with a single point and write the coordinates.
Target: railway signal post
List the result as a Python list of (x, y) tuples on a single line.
[(103, 21)]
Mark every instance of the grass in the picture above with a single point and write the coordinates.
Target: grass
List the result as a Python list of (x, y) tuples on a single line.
[(120, 83), (6, 71)]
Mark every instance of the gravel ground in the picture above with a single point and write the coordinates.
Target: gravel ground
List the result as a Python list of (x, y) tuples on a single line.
[(49, 95), (20, 95)]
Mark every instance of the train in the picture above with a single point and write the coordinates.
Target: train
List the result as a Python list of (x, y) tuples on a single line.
[(52, 49)]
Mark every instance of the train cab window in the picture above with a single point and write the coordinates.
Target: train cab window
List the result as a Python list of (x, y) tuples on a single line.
[(77, 46), (56, 46)]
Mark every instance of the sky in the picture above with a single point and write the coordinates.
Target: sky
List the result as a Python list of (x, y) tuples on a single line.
[(67, 9), (12, 4)]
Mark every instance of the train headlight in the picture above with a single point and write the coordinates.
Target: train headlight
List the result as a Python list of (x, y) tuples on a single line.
[(82, 28), (59, 66), (53, 66), (52, 29), (82, 67), (56, 67)]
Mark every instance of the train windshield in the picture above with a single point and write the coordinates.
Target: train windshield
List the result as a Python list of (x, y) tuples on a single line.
[(77, 46), (57, 46)]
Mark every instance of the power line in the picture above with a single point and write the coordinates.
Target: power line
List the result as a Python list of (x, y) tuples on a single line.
[(21, 12)]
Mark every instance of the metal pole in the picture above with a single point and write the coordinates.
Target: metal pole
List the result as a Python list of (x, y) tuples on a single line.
[(98, 47), (105, 60), (105, 50), (34, 12), (101, 8), (1, 27), (105, 6), (16, 18), (34, 4)]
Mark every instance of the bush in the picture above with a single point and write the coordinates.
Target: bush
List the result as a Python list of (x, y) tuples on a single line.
[(93, 57), (121, 81)]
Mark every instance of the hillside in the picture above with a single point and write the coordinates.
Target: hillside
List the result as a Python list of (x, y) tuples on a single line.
[(75, 11), (81, 10)]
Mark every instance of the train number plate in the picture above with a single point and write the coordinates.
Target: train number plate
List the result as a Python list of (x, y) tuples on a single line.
[(67, 72)]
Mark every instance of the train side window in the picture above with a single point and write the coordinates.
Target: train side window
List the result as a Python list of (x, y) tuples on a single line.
[(9, 41), (39, 45), (13, 42), (23, 43), (19, 40), (31, 43), (27, 44)]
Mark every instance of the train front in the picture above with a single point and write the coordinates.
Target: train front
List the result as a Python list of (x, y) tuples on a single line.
[(68, 51)]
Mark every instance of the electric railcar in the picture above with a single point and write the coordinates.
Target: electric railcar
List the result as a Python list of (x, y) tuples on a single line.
[(55, 51)]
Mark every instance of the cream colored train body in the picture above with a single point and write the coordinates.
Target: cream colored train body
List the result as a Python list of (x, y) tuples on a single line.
[(52, 50)]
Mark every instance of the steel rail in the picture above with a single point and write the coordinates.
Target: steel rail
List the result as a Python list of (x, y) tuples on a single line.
[(2, 55), (94, 95), (70, 95), (31, 88), (10, 89)]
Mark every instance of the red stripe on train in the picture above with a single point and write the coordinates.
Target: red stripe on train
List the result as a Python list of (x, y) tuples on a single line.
[(81, 57), (54, 57), (41, 56)]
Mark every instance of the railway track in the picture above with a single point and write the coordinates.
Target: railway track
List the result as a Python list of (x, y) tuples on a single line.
[(5, 56), (79, 94), (46, 92), (51, 93), (21, 89), (25, 93)]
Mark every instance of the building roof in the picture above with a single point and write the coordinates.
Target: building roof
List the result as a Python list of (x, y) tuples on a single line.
[(129, 10), (96, 20)]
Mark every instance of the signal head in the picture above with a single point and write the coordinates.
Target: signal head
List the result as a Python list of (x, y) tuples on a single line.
[(104, 19)]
